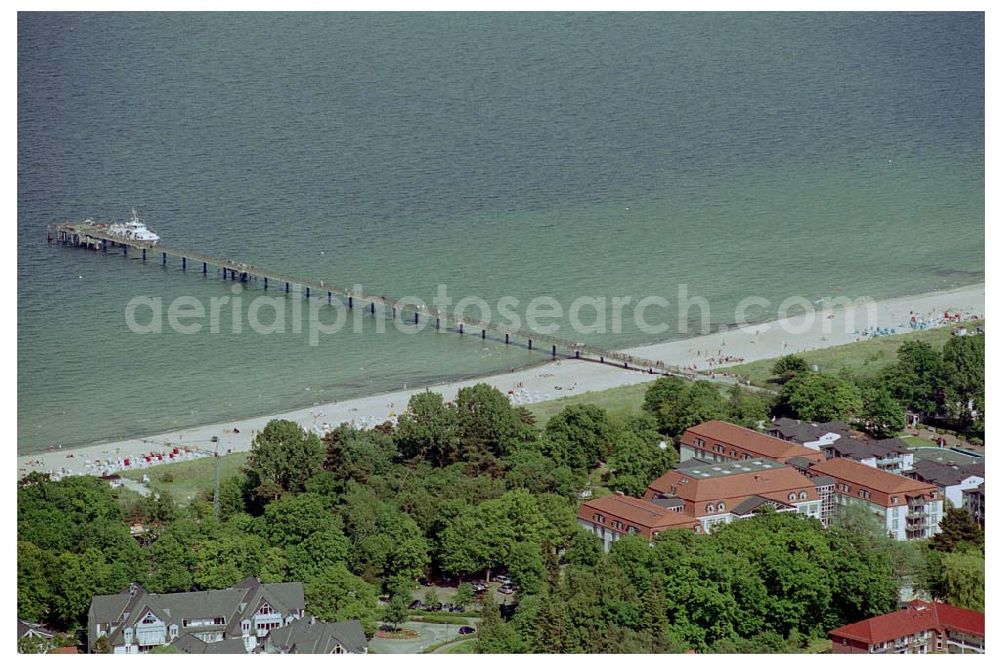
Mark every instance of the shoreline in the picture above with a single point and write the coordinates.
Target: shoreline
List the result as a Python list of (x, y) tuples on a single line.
[(707, 353)]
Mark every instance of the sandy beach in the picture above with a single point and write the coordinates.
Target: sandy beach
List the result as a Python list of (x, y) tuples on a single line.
[(707, 354)]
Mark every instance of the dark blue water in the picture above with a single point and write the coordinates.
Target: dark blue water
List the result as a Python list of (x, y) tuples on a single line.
[(514, 154)]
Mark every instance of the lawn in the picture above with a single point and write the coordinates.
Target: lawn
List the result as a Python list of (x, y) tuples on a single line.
[(618, 400), (462, 647), (185, 480), (865, 358)]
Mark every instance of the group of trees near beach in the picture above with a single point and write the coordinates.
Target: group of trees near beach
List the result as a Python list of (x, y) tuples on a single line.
[(946, 386), (476, 486), (463, 488)]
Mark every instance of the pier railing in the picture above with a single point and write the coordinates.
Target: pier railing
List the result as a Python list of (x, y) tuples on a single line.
[(96, 236)]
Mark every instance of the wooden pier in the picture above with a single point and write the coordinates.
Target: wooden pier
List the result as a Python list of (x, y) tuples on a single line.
[(96, 237)]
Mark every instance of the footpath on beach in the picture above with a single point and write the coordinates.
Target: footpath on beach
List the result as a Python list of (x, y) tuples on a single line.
[(708, 355)]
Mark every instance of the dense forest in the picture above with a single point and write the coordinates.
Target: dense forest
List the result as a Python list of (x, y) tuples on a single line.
[(475, 487)]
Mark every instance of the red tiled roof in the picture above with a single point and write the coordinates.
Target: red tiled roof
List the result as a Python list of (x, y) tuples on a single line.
[(639, 512), (760, 444), (738, 485), (918, 616), (869, 477)]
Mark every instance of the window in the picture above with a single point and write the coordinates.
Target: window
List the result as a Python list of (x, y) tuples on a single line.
[(719, 448), (803, 495), (710, 508), (895, 499), (699, 442), (733, 453), (697, 529), (150, 619), (746, 456), (632, 529), (791, 497), (598, 518), (219, 620), (722, 506), (265, 609)]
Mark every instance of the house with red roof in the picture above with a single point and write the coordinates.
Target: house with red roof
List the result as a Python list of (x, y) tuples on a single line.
[(920, 628), (909, 509), (719, 441), (613, 516)]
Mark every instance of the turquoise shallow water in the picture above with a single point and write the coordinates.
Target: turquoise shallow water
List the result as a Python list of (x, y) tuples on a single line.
[(502, 155)]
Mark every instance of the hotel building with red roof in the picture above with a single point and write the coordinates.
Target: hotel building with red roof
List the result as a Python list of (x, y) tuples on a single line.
[(908, 508), (922, 627), (718, 441)]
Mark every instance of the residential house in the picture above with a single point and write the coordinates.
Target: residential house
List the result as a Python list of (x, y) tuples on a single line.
[(313, 637), (718, 441), (922, 627), (33, 630), (613, 516), (718, 493), (889, 455), (810, 435), (908, 508), (135, 621), (953, 480), (974, 501)]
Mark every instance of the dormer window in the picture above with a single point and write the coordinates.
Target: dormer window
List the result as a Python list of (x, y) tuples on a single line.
[(710, 508), (791, 497), (265, 609), (803, 495), (722, 506)]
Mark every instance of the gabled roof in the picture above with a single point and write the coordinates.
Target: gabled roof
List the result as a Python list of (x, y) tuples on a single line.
[(918, 616), (190, 644), (746, 478), (751, 504), (639, 512), (758, 443), (233, 603), (943, 475), (869, 477), (24, 627), (312, 637)]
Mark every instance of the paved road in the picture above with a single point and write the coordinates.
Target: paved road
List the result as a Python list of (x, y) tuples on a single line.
[(429, 635)]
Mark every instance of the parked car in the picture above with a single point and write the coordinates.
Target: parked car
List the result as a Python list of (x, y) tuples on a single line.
[(507, 589), (503, 580), (466, 630), (416, 604), (458, 609), (435, 608)]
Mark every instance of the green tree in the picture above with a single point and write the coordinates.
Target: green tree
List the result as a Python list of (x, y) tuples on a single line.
[(284, 455), (749, 408), (578, 436), (526, 566), (696, 402), (957, 528), (395, 612), (964, 359), (787, 367), (429, 430), (464, 595), (820, 397), (917, 378), (962, 580), (489, 426), (338, 595), (881, 415), (638, 458), (291, 519), (663, 391), (34, 588)]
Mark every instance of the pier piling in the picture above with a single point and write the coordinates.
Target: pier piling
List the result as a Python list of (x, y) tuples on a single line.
[(483, 334), (506, 338), (184, 263), (164, 258)]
